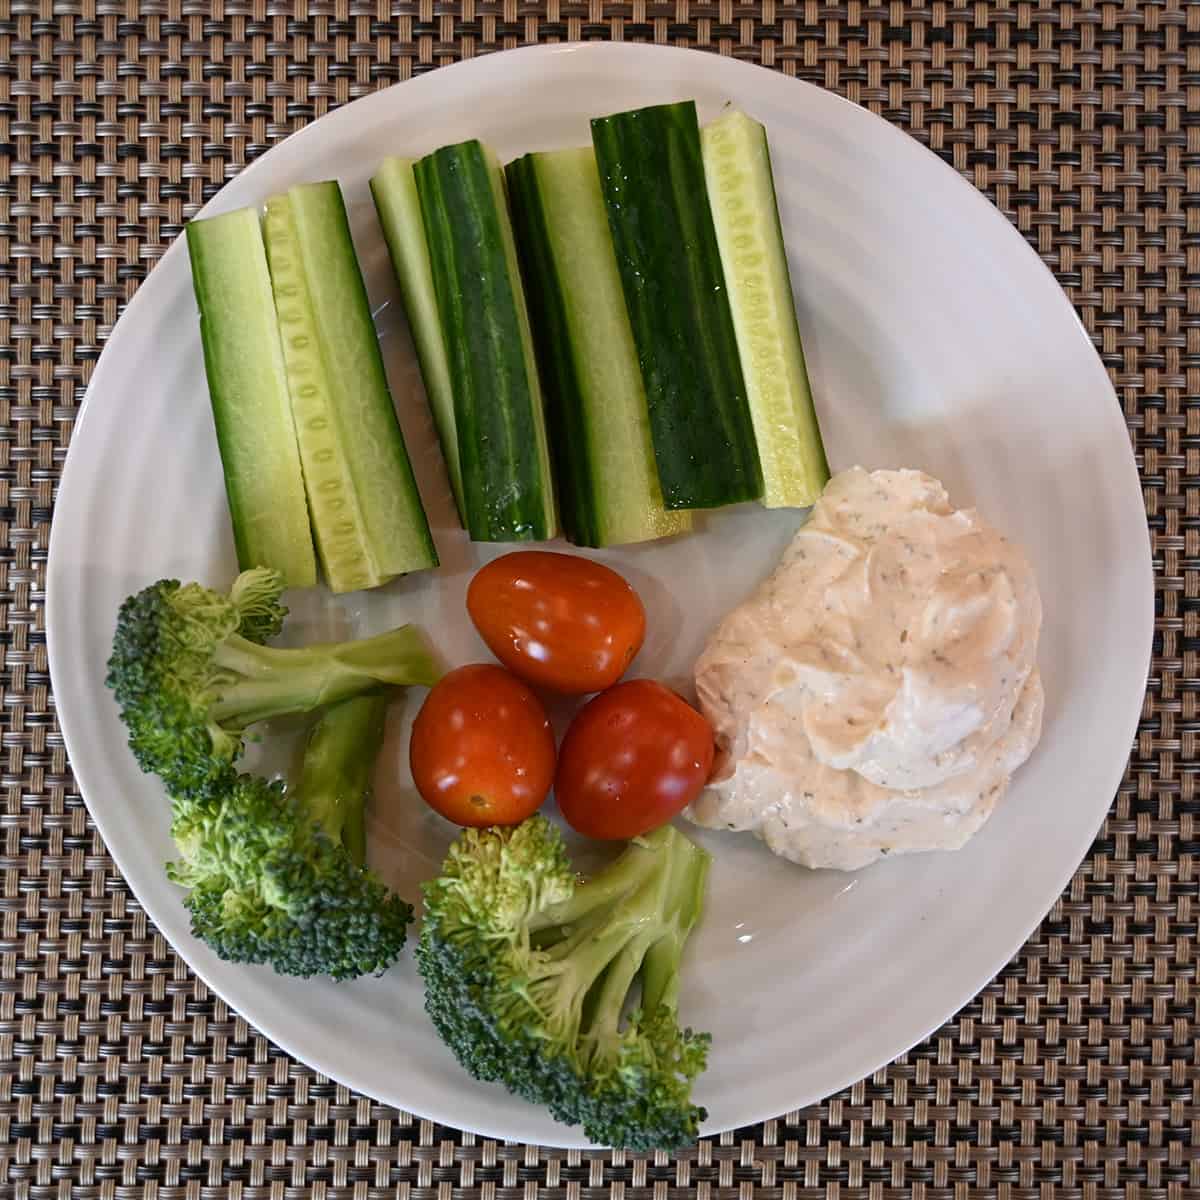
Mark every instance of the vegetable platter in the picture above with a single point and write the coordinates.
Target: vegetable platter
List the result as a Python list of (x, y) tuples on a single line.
[(932, 337)]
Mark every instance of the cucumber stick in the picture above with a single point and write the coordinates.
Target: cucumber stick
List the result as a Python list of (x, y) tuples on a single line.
[(503, 453), (247, 384), (394, 188), (366, 512), (652, 177), (596, 406), (336, 516), (741, 189)]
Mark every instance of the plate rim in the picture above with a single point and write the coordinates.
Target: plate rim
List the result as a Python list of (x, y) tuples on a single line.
[(864, 1064)]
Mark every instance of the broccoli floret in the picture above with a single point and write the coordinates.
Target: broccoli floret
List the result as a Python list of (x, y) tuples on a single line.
[(527, 973), (277, 876), (190, 672)]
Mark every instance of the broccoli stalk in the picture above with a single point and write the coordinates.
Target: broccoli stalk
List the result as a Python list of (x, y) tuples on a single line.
[(277, 876), (528, 974), (259, 682), (190, 672), (335, 777)]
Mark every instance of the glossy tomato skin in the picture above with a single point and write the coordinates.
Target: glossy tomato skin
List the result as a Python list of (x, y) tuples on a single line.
[(482, 750), (559, 621), (634, 756)]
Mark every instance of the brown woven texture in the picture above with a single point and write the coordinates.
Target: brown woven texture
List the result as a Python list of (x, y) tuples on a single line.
[(1076, 1072)]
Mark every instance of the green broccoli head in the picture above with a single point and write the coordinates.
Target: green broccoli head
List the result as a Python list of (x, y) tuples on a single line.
[(163, 674), (270, 884), (527, 973), (190, 673)]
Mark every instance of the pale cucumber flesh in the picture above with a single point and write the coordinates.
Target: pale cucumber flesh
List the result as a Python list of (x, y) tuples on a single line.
[(247, 384), (737, 167), (394, 188), (337, 519)]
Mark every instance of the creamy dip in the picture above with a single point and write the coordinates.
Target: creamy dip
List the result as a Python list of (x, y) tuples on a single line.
[(878, 690)]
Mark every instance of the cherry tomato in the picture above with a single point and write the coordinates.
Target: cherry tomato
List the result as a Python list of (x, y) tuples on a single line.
[(634, 757), (557, 620), (482, 750)]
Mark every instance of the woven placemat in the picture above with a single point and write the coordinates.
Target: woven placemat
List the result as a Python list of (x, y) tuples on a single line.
[(1076, 1071)]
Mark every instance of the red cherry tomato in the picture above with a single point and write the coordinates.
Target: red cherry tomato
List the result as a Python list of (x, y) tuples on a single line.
[(557, 620), (482, 750), (634, 757)]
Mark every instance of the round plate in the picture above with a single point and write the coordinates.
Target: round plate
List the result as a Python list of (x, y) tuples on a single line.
[(935, 339)]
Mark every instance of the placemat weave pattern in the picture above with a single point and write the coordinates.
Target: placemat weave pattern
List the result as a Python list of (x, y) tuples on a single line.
[(1077, 1071)]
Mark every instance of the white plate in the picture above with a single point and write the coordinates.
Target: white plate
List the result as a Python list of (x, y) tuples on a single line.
[(935, 339)]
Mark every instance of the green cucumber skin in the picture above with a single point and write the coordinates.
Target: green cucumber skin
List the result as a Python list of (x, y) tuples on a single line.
[(507, 491), (608, 489), (396, 525), (578, 502), (247, 385), (652, 176), (537, 412)]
